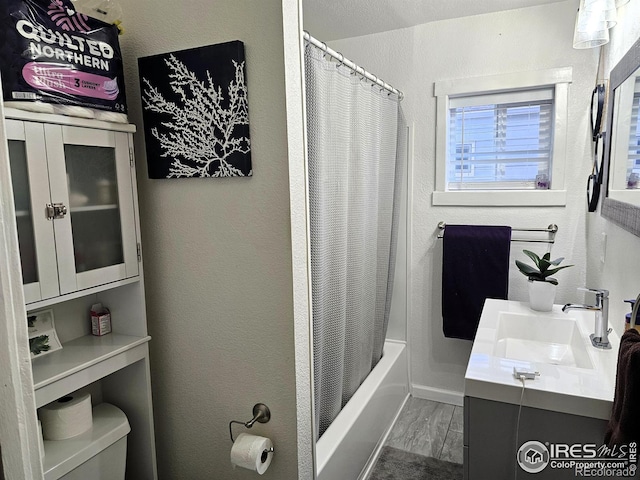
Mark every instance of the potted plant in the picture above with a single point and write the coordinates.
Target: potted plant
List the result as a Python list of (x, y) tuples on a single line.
[(542, 286)]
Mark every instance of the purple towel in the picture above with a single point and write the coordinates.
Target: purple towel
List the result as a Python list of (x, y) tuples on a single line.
[(475, 266)]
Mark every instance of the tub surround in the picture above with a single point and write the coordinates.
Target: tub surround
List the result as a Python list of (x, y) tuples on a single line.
[(581, 381)]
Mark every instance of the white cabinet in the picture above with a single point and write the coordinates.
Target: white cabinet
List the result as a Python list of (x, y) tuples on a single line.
[(75, 198), (73, 190)]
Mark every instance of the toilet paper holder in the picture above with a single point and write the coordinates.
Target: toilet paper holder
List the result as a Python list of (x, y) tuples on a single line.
[(261, 414)]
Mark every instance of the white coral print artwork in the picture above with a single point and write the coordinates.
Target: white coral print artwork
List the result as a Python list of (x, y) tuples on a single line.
[(195, 112)]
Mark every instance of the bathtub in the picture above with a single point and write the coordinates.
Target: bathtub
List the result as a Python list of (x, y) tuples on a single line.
[(347, 445)]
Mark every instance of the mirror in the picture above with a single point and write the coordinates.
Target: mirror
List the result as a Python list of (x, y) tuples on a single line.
[(621, 203), (624, 170)]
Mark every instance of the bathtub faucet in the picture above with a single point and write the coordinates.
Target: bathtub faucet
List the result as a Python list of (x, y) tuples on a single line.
[(599, 338)]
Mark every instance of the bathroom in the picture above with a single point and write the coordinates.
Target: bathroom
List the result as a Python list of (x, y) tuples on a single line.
[(226, 275)]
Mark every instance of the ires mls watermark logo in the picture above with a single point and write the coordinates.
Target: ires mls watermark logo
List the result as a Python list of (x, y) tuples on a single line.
[(584, 460), (533, 457)]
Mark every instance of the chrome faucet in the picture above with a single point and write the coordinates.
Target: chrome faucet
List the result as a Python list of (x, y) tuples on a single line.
[(599, 338)]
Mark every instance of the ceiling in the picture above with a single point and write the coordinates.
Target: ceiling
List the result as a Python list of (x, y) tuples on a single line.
[(336, 19)]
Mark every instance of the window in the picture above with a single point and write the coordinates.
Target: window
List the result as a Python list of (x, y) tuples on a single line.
[(511, 139), (633, 163), (624, 167), (501, 139)]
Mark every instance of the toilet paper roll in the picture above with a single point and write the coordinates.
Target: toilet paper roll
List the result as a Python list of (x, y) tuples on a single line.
[(67, 417), (248, 452), (74, 111), (40, 107), (111, 117)]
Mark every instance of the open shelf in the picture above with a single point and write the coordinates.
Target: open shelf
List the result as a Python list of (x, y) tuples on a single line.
[(80, 293), (83, 361)]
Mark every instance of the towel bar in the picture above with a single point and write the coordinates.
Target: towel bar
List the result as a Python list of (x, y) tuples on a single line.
[(551, 230)]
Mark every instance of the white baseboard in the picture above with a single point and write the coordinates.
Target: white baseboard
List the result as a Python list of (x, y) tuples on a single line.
[(437, 394)]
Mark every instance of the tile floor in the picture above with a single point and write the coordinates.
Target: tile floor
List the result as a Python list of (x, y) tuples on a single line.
[(429, 428)]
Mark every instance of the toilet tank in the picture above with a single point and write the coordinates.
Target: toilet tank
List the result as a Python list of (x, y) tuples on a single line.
[(98, 454)]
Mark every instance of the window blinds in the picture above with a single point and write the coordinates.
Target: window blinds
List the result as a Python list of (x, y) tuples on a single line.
[(500, 141), (633, 162)]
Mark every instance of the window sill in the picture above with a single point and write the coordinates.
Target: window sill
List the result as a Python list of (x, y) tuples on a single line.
[(502, 198), (627, 196)]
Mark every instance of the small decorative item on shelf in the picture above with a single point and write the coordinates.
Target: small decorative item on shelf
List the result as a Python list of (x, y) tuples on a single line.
[(542, 287), (542, 181), (100, 320), (43, 338)]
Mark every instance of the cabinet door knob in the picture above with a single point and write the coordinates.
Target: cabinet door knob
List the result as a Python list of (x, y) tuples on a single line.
[(55, 210)]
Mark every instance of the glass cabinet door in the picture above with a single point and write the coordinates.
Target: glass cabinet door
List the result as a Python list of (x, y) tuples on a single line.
[(90, 172), (31, 194), (94, 208), (24, 216)]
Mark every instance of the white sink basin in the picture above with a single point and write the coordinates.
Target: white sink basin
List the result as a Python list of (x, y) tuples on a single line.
[(539, 339), (574, 376)]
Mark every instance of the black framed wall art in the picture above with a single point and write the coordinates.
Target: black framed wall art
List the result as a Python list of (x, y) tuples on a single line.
[(195, 112)]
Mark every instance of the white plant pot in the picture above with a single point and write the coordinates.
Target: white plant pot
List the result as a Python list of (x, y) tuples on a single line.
[(541, 295)]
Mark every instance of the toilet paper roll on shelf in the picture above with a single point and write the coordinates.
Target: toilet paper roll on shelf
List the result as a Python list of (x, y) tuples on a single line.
[(67, 417), (252, 452)]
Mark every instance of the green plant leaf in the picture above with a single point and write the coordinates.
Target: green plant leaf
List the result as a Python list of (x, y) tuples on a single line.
[(527, 269), (544, 265), (551, 280), (547, 256), (554, 270), (557, 261), (532, 256)]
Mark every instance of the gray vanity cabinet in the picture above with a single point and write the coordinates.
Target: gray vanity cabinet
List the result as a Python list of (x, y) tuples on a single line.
[(491, 446)]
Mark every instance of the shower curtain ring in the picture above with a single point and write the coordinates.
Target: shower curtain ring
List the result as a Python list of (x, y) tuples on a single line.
[(325, 48), (341, 59)]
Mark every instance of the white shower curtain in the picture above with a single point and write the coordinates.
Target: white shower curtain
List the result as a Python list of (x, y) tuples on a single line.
[(353, 143)]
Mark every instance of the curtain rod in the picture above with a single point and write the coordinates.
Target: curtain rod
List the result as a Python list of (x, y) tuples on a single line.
[(350, 65)]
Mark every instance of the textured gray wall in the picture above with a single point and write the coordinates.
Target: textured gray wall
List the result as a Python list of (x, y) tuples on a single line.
[(217, 255)]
